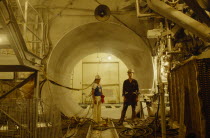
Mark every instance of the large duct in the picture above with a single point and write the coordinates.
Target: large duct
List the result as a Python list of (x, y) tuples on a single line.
[(181, 19)]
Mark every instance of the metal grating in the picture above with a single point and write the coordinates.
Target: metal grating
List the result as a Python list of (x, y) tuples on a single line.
[(19, 118), (204, 90), (184, 90)]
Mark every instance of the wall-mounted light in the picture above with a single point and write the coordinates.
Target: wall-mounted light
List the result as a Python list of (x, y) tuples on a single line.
[(109, 57)]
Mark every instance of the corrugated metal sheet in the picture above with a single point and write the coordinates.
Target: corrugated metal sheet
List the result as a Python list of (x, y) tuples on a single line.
[(191, 81), (204, 90)]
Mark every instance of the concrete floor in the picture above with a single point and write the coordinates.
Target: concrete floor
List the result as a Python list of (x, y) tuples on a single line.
[(112, 111)]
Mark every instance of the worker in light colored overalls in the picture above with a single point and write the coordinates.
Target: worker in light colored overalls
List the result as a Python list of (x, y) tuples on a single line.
[(96, 94)]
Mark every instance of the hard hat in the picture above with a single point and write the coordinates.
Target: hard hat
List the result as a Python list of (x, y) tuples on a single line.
[(130, 71), (97, 77)]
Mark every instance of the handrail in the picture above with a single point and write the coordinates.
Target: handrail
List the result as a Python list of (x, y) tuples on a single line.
[(16, 39)]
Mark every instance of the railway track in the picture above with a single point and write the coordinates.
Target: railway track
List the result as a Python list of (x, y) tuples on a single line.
[(103, 131)]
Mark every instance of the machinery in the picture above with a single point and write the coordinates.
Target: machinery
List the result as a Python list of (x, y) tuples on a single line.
[(43, 45)]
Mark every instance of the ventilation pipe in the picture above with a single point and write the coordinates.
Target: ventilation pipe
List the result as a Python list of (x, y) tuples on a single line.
[(180, 18)]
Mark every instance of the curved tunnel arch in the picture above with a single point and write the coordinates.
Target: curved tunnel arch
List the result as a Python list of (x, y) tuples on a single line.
[(104, 38)]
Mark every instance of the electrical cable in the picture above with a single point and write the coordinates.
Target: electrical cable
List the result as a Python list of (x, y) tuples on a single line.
[(82, 110), (58, 84), (74, 133), (85, 119), (41, 86), (59, 13), (144, 131), (146, 127), (55, 83), (74, 89), (90, 107), (127, 133)]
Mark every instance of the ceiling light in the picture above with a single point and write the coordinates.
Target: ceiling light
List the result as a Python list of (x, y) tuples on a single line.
[(109, 57)]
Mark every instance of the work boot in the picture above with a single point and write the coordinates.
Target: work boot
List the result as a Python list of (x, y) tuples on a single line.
[(120, 123)]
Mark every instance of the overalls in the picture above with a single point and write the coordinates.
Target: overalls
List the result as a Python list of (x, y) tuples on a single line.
[(97, 107)]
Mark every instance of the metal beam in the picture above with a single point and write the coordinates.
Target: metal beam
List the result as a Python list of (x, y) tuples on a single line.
[(36, 95), (99, 62), (19, 85), (15, 68)]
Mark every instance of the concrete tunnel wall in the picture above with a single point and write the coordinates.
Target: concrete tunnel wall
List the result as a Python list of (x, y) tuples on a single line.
[(88, 39)]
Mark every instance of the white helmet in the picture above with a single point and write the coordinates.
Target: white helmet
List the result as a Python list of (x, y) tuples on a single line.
[(130, 71), (97, 77)]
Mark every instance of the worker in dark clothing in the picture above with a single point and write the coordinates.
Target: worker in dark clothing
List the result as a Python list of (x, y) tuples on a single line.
[(130, 94)]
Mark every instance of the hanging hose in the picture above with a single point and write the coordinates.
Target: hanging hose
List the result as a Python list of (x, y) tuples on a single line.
[(74, 89), (55, 83)]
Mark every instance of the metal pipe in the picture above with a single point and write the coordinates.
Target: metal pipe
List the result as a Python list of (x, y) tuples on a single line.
[(162, 103), (169, 43), (181, 19), (137, 7), (162, 108), (161, 92), (42, 42), (25, 17), (21, 10), (142, 15), (33, 33), (33, 41), (175, 52), (35, 11)]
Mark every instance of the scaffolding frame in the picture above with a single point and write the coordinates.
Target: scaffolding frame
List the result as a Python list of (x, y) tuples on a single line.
[(27, 54), (31, 118), (37, 34)]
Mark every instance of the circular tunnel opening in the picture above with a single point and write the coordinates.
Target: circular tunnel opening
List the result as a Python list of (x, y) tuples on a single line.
[(95, 38)]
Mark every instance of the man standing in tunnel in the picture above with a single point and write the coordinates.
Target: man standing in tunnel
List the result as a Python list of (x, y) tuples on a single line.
[(130, 94)]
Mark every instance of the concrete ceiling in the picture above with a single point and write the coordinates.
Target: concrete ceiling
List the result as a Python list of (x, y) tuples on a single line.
[(83, 4)]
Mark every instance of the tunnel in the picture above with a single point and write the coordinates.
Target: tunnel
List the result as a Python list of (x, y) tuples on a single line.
[(51, 53), (93, 38)]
